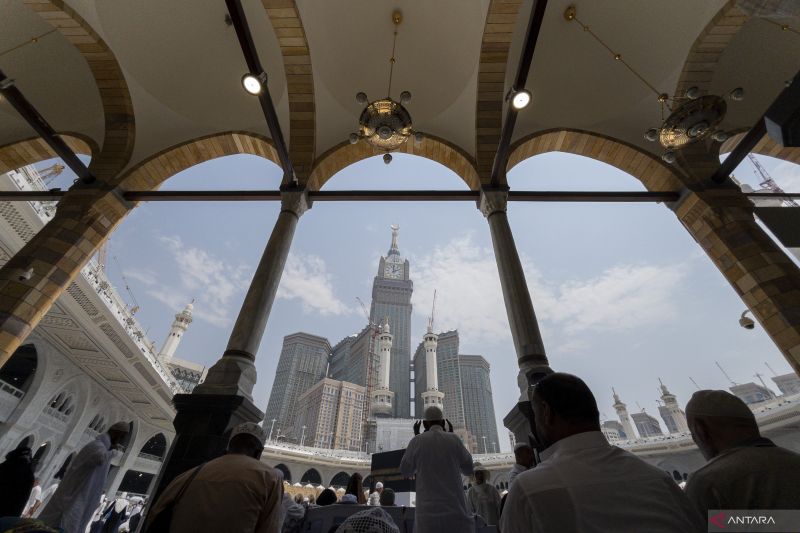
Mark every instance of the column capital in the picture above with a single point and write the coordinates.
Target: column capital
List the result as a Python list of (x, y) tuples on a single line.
[(493, 200), (295, 201)]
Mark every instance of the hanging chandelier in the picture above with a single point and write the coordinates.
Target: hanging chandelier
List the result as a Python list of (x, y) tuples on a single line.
[(692, 116), (386, 123)]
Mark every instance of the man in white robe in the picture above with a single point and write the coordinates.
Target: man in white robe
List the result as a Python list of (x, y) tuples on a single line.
[(438, 459), (483, 498), (523, 454), (76, 498)]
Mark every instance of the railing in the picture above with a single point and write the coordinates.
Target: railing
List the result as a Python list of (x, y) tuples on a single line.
[(94, 274), (56, 414), (11, 389), (27, 179), (151, 457)]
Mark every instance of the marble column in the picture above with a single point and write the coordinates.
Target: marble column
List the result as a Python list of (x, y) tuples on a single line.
[(528, 344), (224, 400)]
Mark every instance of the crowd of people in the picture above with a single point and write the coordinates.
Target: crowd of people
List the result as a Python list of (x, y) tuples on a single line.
[(581, 482)]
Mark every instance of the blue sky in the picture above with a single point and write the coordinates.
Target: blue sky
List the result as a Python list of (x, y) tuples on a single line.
[(623, 293)]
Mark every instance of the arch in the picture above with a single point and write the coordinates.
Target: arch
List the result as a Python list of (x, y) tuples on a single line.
[(431, 147), (287, 474), (27, 442), (155, 445), (20, 370), (340, 480), (64, 466), (288, 27), (120, 131), (709, 46), (766, 146), (155, 170), (311, 476), (40, 455), (30, 151), (495, 45), (648, 169)]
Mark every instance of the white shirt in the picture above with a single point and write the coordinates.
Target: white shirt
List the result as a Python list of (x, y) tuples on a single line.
[(516, 470), (484, 500), (36, 495), (585, 484), (374, 498), (76, 497), (438, 459)]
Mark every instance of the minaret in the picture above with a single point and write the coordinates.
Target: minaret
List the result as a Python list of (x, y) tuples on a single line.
[(671, 403), (622, 413), (179, 327), (382, 397), (432, 396)]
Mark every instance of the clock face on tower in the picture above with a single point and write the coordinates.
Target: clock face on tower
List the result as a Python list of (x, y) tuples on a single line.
[(393, 271)]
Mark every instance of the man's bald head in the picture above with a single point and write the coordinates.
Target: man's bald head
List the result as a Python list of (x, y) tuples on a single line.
[(718, 421)]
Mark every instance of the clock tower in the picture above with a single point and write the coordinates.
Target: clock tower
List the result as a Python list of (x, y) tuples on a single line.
[(391, 298)]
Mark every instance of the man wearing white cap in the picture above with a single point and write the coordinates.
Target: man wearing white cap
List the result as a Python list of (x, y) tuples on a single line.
[(523, 454), (744, 469), (438, 459), (234, 492), (76, 497), (375, 497)]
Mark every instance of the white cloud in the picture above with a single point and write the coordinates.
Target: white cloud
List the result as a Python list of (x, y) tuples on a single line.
[(214, 282), (146, 276), (787, 176), (470, 299), (306, 278)]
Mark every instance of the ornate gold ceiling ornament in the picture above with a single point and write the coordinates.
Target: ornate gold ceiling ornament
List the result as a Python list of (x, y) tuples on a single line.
[(692, 117), (386, 124)]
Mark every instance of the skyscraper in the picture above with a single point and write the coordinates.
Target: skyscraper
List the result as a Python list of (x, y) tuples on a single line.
[(646, 425), (303, 362), (478, 403), (330, 415), (391, 297)]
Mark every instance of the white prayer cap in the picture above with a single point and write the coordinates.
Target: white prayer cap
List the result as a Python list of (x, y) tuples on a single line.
[(718, 403), (122, 427), (433, 414), (521, 445), (378, 485), (374, 520), (250, 428)]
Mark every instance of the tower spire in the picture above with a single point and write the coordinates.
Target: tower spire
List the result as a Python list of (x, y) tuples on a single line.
[(393, 249), (179, 327)]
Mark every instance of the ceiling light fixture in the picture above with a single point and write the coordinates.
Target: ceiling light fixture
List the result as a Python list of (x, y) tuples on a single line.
[(692, 116), (519, 99), (386, 123), (254, 83)]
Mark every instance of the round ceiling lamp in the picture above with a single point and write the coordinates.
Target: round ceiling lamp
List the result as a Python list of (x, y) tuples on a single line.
[(386, 123), (254, 83), (520, 99)]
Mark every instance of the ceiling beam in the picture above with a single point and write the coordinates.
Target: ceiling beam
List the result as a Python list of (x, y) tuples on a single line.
[(784, 104), (254, 66), (366, 196), (43, 128), (523, 69)]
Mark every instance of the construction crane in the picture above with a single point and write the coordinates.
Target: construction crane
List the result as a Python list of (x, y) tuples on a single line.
[(767, 182), (724, 373), (135, 307)]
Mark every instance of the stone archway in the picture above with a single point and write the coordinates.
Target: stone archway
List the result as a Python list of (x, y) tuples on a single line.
[(431, 147), (651, 171), (287, 474), (311, 475), (340, 480)]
